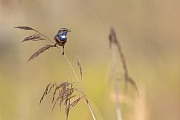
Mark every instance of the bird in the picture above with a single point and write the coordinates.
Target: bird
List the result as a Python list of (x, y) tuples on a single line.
[(61, 38)]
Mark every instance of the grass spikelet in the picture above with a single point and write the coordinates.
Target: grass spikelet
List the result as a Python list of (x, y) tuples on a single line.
[(34, 37), (45, 92), (75, 102), (24, 27), (65, 94), (80, 68), (41, 50), (112, 37), (67, 108), (56, 89), (43, 37)]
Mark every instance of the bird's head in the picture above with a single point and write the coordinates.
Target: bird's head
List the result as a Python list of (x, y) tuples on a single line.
[(63, 31), (61, 35)]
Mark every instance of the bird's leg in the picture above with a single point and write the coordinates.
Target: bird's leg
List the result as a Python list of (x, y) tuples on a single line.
[(55, 44), (63, 50)]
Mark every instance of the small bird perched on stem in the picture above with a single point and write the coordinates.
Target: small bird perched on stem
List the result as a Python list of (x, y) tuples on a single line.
[(61, 37)]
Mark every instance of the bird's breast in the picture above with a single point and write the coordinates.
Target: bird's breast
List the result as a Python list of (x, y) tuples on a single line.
[(60, 42), (62, 37)]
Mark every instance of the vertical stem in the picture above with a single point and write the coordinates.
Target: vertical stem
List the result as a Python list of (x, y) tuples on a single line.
[(114, 57), (87, 101), (118, 109)]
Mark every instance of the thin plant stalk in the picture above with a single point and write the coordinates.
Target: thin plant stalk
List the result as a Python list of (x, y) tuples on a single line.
[(114, 59), (87, 101), (127, 78), (44, 36), (116, 46)]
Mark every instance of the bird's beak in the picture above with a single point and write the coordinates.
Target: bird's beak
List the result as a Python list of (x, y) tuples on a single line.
[(69, 30)]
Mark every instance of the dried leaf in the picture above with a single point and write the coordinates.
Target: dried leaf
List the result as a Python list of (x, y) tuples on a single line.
[(41, 50), (24, 27), (34, 37)]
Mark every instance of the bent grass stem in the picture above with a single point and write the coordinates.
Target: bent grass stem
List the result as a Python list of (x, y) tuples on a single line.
[(84, 95)]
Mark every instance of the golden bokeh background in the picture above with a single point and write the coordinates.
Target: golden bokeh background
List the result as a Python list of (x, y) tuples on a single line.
[(148, 31)]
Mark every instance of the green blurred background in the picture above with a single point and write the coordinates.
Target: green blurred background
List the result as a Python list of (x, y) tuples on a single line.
[(148, 31)]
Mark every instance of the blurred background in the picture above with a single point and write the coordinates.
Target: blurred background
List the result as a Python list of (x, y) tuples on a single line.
[(148, 31)]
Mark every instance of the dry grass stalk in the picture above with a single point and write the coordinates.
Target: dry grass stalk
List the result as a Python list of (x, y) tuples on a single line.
[(81, 88), (113, 40), (116, 91), (65, 89), (113, 45)]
